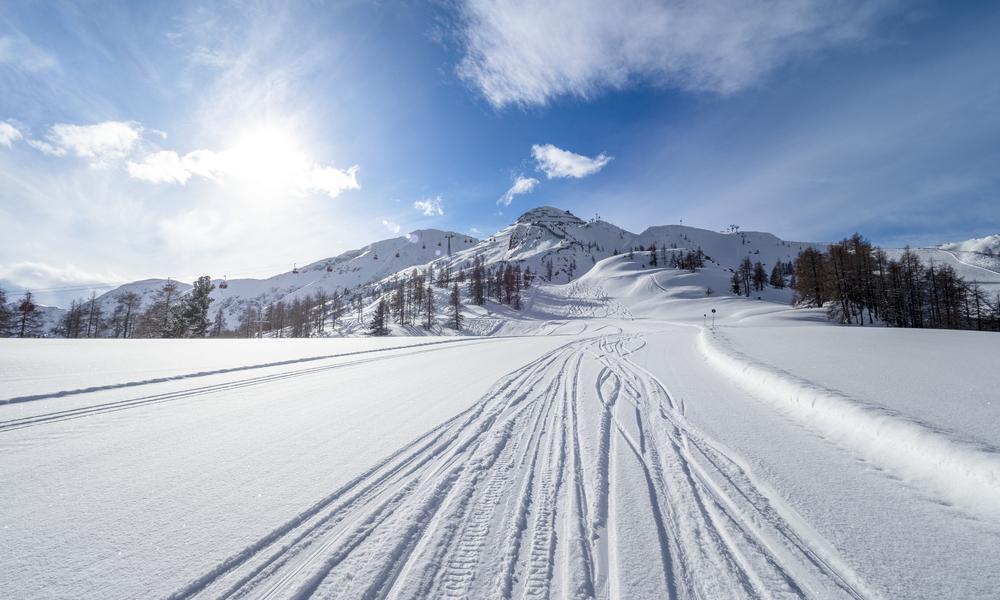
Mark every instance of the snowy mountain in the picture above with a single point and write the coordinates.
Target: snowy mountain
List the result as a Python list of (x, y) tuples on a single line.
[(977, 259), (546, 234), (556, 245), (989, 245), (348, 270), (538, 238)]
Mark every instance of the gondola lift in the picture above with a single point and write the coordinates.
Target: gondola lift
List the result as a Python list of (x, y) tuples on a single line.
[(329, 268)]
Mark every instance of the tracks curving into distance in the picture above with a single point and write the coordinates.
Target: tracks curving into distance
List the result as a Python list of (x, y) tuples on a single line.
[(576, 476)]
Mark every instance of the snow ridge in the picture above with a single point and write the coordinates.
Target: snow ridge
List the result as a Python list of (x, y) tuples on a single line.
[(957, 469)]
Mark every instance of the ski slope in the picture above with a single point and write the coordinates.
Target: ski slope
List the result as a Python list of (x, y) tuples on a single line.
[(602, 443)]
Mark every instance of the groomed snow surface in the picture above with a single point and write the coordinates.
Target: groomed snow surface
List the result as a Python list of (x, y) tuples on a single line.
[(605, 443)]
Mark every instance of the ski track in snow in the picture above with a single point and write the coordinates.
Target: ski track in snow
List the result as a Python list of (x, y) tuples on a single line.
[(280, 363), (119, 405), (576, 476)]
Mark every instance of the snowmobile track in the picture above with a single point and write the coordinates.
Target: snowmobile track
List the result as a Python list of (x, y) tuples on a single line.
[(551, 485)]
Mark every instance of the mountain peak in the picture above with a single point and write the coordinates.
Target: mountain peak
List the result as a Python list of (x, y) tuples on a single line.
[(545, 215)]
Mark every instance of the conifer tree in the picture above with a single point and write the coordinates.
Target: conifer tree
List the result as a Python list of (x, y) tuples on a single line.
[(759, 276), (378, 326), (428, 307), (219, 324), (777, 279), (194, 311), (455, 306)]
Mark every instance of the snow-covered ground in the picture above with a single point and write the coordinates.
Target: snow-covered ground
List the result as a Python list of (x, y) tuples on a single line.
[(604, 442)]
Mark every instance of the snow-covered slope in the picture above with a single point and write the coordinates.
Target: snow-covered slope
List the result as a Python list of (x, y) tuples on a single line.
[(553, 243), (724, 249), (983, 269), (146, 289), (989, 245), (624, 450), (345, 271)]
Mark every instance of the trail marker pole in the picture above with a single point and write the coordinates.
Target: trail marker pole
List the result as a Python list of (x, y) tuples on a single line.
[(713, 319)]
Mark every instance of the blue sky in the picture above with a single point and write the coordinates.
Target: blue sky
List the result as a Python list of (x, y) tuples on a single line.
[(170, 139)]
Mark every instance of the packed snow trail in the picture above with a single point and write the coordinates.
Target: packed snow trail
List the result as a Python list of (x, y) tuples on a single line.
[(576, 476)]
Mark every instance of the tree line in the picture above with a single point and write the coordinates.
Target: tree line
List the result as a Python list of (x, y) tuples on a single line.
[(752, 276), (22, 319), (857, 282)]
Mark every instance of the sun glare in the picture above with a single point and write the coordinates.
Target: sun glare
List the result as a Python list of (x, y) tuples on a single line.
[(267, 156)]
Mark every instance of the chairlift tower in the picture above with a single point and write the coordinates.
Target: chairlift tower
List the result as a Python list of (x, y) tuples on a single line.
[(449, 236)]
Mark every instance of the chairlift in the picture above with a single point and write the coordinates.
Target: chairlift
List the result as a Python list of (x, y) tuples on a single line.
[(223, 285), (295, 269), (375, 255), (397, 254), (329, 268)]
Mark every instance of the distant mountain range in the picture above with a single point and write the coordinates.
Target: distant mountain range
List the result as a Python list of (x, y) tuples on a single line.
[(553, 243)]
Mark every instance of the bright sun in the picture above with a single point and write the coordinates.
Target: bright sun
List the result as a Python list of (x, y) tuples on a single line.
[(267, 156)]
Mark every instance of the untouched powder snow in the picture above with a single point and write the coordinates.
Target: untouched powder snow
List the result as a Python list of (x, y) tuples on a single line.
[(614, 445)]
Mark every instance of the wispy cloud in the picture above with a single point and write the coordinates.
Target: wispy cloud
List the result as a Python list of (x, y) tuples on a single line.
[(9, 134), (392, 227), (521, 185), (556, 162), (528, 53), (430, 206), (21, 53), (100, 144)]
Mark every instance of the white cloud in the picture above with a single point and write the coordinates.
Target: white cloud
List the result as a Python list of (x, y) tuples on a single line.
[(519, 52), (430, 206), (100, 144), (160, 167), (47, 148), (35, 275), (556, 162), (23, 54), (332, 181), (521, 185), (9, 134), (393, 227), (53, 284), (297, 172)]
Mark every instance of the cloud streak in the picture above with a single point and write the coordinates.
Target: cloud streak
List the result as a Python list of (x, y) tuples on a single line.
[(521, 185), (21, 53), (530, 53)]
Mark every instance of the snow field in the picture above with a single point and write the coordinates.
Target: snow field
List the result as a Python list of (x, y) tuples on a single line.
[(617, 450)]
